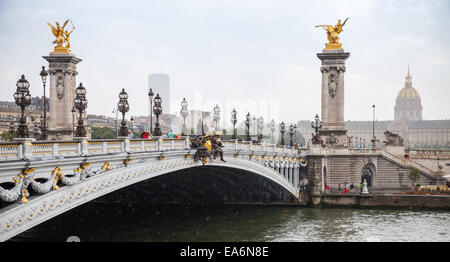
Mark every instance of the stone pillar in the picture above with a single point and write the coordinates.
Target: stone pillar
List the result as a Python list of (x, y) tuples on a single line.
[(333, 131), (63, 70)]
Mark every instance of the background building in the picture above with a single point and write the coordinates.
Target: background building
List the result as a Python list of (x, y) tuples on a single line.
[(10, 112), (160, 84), (408, 123), (408, 105)]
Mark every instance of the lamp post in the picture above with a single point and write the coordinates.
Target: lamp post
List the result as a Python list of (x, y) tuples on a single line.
[(282, 129), (233, 122), (291, 133), (157, 109), (150, 96), (247, 124), (73, 121), (184, 114), (80, 104), (36, 130), (295, 134), (131, 123), (272, 130), (260, 128), (374, 140), (22, 98), (115, 111), (216, 116), (44, 75), (123, 107), (438, 174), (317, 124)]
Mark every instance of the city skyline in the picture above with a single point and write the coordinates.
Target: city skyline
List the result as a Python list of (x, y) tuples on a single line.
[(255, 56)]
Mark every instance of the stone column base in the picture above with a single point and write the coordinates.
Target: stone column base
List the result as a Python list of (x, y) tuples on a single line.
[(60, 134), (334, 138)]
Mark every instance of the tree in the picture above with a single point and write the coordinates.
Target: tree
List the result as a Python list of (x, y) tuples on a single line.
[(7, 136), (413, 175), (102, 133)]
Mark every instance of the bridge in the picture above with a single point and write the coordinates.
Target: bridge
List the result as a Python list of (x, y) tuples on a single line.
[(40, 180)]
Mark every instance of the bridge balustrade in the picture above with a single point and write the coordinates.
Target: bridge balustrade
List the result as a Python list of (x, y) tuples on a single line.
[(10, 150), (96, 147), (32, 149), (229, 145), (428, 153), (42, 149)]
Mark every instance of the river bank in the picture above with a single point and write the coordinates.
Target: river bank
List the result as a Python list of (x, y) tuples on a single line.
[(386, 200)]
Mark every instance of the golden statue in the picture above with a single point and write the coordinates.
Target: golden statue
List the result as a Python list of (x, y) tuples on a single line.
[(61, 37), (333, 35)]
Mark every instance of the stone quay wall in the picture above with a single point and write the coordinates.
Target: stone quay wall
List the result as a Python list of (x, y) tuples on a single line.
[(386, 200)]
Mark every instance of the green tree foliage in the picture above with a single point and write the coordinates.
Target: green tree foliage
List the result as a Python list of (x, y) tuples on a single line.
[(413, 175), (7, 136), (102, 133)]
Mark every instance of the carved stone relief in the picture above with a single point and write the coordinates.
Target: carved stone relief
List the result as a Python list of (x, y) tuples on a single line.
[(333, 77), (60, 86)]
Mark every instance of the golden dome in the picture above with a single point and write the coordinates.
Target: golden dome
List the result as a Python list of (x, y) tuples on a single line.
[(408, 92)]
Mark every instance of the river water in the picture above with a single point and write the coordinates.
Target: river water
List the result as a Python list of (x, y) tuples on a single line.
[(137, 222)]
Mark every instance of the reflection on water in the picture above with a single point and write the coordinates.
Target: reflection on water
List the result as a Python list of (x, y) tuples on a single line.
[(137, 222)]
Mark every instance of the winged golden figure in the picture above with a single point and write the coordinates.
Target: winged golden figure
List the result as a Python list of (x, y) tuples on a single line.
[(61, 36), (333, 32)]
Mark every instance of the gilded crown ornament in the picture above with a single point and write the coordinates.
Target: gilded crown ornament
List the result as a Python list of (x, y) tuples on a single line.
[(333, 32), (62, 37)]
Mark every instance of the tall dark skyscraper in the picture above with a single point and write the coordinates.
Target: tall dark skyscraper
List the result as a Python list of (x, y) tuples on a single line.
[(160, 84)]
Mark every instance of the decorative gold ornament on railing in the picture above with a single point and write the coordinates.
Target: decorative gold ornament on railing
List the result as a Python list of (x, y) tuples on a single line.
[(106, 166), (25, 184), (126, 161), (333, 32), (56, 175), (62, 37)]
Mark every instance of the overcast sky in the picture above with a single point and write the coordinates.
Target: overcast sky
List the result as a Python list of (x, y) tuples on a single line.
[(258, 55)]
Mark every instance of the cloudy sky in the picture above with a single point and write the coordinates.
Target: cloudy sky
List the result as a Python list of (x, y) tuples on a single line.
[(257, 56)]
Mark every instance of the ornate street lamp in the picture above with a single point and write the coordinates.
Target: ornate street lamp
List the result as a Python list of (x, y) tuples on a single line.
[(272, 131), (73, 121), (22, 98), (150, 96), (247, 124), (260, 128), (216, 116), (131, 123), (80, 103), (157, 109), (291, 133), (317, 125), (44, 75), (295, 134), (184, 114), (233, 122), (374, 139), (36, 130), (282, 129), (123, 107)]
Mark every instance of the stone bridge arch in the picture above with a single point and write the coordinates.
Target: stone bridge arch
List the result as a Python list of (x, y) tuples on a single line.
[(19, 217)]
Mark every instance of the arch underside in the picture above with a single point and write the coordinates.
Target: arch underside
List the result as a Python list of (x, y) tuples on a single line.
[(173, 181), (203, 185)]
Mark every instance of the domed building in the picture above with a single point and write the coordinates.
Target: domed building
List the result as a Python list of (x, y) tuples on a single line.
[(408, 105)]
